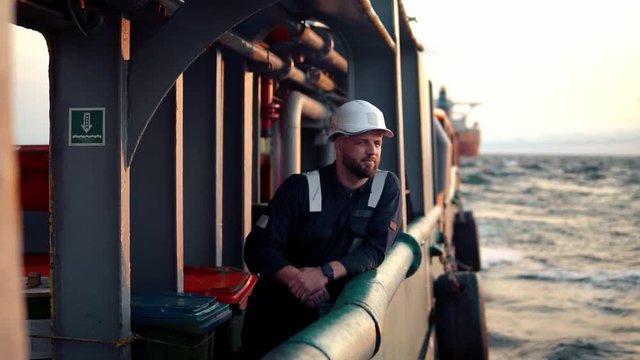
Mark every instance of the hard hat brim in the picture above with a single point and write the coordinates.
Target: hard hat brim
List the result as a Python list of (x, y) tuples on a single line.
[(385, 132)]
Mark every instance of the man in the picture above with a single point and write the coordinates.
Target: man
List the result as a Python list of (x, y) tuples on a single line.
[(320, 229)]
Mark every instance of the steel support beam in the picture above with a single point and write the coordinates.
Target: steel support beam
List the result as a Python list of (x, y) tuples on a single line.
[(90, 197), (411, 103), (201, 105), (372, 72), (157, 64), (154, 243), (156, 232), (426, 133), (238, 135)]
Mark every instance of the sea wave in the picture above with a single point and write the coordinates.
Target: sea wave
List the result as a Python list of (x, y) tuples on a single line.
[(534, 167), (502, 173), (559, 232), (492, 257), (528, 214), (475, 179), (564, 187), (618, 280), (627, 330), (499, 340), (582, 168), (632, 179), (588, 349), (610, 306)]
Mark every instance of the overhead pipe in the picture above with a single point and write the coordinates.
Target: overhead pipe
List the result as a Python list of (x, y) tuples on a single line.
[(406, 21), (367, 8), (320, 43), (171, 6), (318, 78), (296, 106), (278, 66)]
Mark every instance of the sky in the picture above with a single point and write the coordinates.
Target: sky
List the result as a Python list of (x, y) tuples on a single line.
[(553, 76), (30, 67)]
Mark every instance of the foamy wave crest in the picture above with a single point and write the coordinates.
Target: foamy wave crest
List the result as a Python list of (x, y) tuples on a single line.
[(618, 280), (492, 257), (565, 187)]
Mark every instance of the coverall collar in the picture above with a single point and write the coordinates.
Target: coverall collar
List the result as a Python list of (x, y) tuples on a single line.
[(341, 188)]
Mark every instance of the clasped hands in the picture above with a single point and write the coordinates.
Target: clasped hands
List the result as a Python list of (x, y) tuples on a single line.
[(308, 286)]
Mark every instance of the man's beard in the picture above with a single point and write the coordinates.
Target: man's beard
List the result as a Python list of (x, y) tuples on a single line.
[(358, 168)]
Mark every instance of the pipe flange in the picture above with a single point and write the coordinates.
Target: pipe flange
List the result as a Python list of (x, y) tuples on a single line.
[(296, 28), (328, 44), (267, 69), (284, 71)]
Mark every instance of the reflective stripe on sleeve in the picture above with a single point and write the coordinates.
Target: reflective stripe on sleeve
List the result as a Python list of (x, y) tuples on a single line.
[(376, 188), (262, 221), (315, 192)]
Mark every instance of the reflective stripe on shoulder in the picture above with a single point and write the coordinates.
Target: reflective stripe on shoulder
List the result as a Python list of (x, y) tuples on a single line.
[(315, 192), (376, 187)]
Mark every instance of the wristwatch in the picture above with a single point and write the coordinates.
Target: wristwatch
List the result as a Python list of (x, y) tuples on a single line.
[(327, 270)]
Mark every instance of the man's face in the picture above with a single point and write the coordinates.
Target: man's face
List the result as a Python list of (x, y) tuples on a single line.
[(361, 153)]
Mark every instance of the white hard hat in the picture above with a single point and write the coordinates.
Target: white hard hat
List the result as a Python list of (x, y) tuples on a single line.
[(356, 117)]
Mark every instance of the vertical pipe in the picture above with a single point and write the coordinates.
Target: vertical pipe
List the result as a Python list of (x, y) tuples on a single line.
[(297, 105), (12, 341), (276, 158)]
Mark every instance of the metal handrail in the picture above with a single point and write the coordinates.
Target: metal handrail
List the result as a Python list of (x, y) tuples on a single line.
[(353, 327)]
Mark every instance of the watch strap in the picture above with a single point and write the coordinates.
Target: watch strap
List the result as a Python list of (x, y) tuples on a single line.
[(327, 270)]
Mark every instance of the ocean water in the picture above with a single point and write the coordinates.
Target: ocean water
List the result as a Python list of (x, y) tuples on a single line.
[(560, 242)]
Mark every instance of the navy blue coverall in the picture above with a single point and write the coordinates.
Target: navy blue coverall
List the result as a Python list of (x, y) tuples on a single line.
[(289, 234)]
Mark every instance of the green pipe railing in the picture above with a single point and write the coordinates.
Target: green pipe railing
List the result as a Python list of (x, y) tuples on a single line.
[(353, 327)]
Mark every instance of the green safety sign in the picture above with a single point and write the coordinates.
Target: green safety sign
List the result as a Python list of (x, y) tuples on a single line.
[(86, 126)]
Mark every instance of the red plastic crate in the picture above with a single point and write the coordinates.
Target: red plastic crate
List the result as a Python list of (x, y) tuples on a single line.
[(34, 177), (229, 285), (36, 263)]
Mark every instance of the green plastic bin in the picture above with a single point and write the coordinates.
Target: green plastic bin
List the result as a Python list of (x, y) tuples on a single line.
[(176, 326), (38, 299), (165, 344), (230, 286)]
